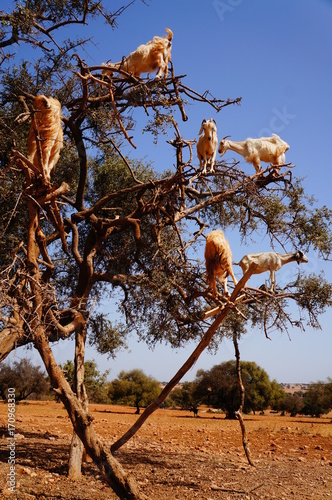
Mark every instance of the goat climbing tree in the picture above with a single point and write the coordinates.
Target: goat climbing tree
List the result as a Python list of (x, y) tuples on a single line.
[(110, 227)]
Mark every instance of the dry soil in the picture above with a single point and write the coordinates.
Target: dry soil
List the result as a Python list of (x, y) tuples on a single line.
[(173, 456)]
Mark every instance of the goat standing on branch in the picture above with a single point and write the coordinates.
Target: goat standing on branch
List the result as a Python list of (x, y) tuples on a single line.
[(218, 260), (269, 261), (45, 139), (147, 58), (268, 149), (207, 145)]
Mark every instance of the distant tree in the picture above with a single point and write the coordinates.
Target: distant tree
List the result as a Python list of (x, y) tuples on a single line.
[(219, 386), (259, 390), (95, 382), (317, 400), (27, 380), (134, 388), (292, 403), (277, 396), (186, 397)]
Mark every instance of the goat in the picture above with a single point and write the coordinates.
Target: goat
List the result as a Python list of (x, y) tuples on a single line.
[(45, 138), (147, 58), (269, 261), (218, 260), (207, 145), (268, 149)]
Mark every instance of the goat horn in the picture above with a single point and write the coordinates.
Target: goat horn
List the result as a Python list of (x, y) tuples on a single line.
[(225, 137)]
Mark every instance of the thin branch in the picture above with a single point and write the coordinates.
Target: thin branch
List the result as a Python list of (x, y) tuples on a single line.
[(11, 216), (14, 36), (238, 413), (115, 110), (75, 241), (77, 323), (217, 104), (126, 162), (24, 162)]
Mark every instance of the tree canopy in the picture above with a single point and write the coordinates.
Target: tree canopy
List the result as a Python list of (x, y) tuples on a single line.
[(317, 400), (134, 388), (25, 378), (219, 387)]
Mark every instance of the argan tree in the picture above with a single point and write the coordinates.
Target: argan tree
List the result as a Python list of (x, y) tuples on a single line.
[(134, 388), (219, 387), (317, 400), (27, 379), (109, 227), (95, 382), (187, 398)]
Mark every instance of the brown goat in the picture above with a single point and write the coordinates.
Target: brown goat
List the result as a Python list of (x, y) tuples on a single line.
[(218, 260), (46, 136)]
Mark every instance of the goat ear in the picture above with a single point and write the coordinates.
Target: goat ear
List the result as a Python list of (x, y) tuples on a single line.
[(202, 125), (46, 102)]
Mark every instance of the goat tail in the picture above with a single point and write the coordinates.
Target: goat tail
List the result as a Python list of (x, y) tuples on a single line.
[(170, 34), (236, 263)]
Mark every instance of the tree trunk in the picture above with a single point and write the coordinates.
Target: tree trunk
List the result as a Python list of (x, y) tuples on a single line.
[(76, 447), (238, 413), (122, 484), (75, 457), (113, 473), (9, 337)]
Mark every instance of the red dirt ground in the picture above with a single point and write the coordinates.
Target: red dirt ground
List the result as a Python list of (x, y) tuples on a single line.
[(173, 456)]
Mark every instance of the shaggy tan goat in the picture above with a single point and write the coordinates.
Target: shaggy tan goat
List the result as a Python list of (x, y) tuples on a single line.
[(45, 135), (218, 260), (207, 145), (147, 58), (268, 149)]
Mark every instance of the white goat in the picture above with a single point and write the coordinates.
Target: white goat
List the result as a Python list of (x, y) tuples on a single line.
[(218, 260), (147, 58), (268, 149), (269, 261), (207, 145)]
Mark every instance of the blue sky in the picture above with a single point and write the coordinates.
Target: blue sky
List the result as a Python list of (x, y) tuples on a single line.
[(276, 55)]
